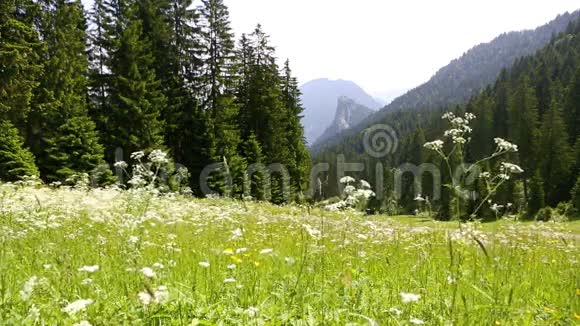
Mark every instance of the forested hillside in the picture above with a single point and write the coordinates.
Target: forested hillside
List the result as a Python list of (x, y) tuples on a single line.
[(535, 104), (79, 90), (468, 75)]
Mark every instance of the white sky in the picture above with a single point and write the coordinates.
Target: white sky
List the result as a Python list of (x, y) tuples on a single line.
[(384, 45)]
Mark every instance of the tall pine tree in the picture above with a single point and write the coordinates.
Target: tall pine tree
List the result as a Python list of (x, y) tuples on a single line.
[(63, 136)]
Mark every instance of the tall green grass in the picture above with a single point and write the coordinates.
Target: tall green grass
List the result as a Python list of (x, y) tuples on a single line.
[(220, 262)]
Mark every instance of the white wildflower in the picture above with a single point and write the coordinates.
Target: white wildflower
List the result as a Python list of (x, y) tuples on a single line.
[(83, 323), (349, 190), (158, 157), (312, 231), (505, 146), (395, 311), (459, 140), (47, 266), (416, 321), (241, 250), (231, 266), (512, 168), (237, 233), (436, 145), (266, 251), (137, 155), (251, 312), (34, 312), (28, 288), (148, 272), (347, 180), (364, 184), (448, 115), (419, 198), (470, 116), (77, 306), (121, 164), (86, 281), (230, 280), (161, 294), (204, 264), (409, 297), (89, 269), (504, 176), (145, 298)]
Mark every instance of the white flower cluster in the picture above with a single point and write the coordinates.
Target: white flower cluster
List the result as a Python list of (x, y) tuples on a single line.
[(460, 127), (77, 306), (505, 146), (436, 145), (158, 157), (352, 194), (159, 296), (347, 180)]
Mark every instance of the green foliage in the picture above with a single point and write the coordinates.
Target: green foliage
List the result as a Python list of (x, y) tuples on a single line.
[(20, 64), (558, 159), (545, 214), (536, 198), (137, 257), (74, 150), (61, 134), (529, 104), (16, 161), (576, 195)]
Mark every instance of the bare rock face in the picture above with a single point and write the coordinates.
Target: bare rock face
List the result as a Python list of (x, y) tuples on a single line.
[(348, 114), (319, 99)]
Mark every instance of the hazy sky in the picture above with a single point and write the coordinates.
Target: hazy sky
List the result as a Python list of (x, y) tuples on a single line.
[(384, 45)]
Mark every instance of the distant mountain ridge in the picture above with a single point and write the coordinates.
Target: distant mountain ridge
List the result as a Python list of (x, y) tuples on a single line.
[(319, 98), (468, 75), (349, 113)]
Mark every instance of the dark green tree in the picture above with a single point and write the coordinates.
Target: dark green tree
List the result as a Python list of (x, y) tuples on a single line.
[(60, 115), (136, 98), (557, 161), (16, 161), (20, 64), (524, 127), (536, 199), (299, 160), (217, 86)]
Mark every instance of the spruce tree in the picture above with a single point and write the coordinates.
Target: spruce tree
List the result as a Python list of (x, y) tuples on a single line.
[(572, 108), (16, 161), (136, 98), (536, 198), (557, 158), (252, 151), (524, 127), (20, 50), (217, 83), (263, 112), (576, 196), (299, 159), (60, 116)]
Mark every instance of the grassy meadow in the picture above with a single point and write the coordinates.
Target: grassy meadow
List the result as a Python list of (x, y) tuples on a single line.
[(109, 257)]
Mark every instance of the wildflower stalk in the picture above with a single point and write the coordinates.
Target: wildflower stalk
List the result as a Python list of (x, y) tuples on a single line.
[(458, 133)]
